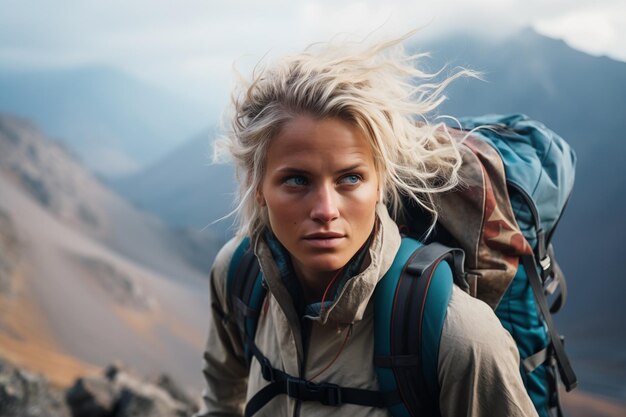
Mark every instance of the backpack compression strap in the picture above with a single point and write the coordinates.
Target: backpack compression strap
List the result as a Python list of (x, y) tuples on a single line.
[(543, 260), (565, 368), (410, 307)]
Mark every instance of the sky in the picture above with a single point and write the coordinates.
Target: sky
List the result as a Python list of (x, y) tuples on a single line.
[(190, 46)]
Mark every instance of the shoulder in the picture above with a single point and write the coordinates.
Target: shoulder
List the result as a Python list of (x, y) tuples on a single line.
[(224, 256), (474, 344), (472, 325), (478, 365), (221, 264)]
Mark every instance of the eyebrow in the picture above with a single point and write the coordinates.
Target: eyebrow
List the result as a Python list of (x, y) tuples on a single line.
[(350, 168), (293, 170)]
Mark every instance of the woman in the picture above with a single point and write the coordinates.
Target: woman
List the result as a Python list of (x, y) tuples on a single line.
[(326, 142)]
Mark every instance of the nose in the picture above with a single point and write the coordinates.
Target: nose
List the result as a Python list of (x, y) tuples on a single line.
[(325, 208)]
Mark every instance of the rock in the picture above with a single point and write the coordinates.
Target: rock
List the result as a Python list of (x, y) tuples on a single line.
[(91, 397), (139, 398), (9, 252), (112, 370), (121, 287), (173, 389), (143, 404), (121, 393), (24, 394), (116, 393)]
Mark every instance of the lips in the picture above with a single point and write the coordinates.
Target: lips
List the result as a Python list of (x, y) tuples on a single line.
[(324, 239), (324, 235)]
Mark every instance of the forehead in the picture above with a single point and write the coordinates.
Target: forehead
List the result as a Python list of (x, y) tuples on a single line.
[(333, 140)]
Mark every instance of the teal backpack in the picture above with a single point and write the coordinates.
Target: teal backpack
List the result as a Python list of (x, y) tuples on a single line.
[(492, 239)]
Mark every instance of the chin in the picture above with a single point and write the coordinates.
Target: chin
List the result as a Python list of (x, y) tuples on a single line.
[(326, 263)]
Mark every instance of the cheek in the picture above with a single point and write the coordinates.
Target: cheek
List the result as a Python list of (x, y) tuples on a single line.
[(366, 197), (282, 212), (361, 208)]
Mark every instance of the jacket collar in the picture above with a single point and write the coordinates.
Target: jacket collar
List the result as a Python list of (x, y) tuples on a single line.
[(351, 298)]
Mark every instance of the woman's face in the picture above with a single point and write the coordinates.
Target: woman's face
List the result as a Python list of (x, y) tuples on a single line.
[(320, 188)]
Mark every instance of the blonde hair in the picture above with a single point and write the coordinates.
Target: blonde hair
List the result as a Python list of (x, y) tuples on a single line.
[(379, 88)]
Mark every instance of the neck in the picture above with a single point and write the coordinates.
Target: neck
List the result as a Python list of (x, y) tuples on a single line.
[(315, 283)]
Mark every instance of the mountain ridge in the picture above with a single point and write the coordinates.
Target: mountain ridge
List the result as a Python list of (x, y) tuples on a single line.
[(114, 121), (90, 270)]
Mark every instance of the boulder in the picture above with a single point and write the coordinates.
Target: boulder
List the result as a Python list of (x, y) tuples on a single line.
[(92, 397), (121, 393), (25, 394)]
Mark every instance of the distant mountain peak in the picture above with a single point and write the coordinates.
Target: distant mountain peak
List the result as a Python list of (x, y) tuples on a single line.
[(114, 121)]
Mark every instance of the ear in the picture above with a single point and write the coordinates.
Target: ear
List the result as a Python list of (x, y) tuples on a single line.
[(259, 198)]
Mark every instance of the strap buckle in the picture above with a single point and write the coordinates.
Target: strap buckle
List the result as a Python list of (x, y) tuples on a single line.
[(325, 393), (331, 394), (546, 263)]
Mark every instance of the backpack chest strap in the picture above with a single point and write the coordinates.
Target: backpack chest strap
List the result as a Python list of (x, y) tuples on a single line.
[(304, 390)]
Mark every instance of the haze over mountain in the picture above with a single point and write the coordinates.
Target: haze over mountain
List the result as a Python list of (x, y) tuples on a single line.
[(579, 96), (85, 278), (114, 122), (185, 188)]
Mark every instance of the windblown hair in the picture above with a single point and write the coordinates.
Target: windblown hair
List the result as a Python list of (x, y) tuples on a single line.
[(378, 88)]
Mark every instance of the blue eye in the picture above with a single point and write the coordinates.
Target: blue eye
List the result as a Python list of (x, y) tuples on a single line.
[(296, 180), (350, 179)]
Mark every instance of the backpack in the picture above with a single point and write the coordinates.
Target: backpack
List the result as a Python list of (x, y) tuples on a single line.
[(492, 239)]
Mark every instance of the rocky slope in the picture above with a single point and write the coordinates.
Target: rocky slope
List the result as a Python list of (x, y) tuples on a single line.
[(114, 393), (85, 277)]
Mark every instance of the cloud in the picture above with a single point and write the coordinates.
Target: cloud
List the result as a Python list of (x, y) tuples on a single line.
[(598, 30), (191, 46)]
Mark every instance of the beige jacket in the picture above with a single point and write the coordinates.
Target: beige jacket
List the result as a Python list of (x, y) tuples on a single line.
[(478, 361)]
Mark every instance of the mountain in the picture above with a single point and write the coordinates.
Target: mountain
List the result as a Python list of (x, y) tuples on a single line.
[(115, 123), (86, 278), (579, 96), (184, 188)]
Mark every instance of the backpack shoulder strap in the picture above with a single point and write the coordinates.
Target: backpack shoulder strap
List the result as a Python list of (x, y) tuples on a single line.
[(410, 307), (246, 291)]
